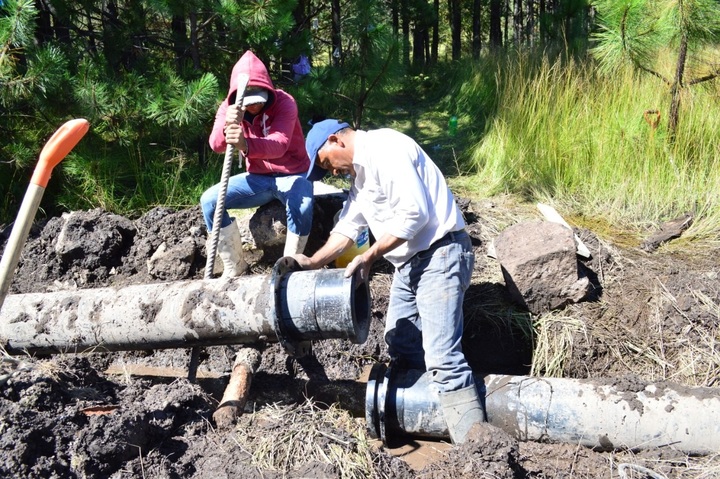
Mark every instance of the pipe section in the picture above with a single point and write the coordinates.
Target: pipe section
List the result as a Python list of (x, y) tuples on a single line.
[(288, 306), (601, 414), (402, 401)]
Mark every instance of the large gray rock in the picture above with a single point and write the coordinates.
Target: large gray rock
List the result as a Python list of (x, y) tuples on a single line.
[(540, 266), (265, 230)]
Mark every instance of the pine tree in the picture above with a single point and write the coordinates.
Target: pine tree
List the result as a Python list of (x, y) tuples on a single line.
[(148, 76), (637, 31)]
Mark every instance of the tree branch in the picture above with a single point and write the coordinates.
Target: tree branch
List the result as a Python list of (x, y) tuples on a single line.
[(652, 72), (709, 76)]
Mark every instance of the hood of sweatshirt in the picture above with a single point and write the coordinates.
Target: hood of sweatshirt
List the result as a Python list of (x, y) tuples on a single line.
[(258, 75)]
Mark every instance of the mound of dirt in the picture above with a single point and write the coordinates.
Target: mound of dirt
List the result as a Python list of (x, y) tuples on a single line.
[(135, 414)]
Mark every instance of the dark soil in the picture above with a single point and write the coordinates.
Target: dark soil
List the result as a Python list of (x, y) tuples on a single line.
[(74, 416)]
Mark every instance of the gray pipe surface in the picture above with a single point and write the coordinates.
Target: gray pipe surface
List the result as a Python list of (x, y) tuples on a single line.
[(602, 414), (287, 306)]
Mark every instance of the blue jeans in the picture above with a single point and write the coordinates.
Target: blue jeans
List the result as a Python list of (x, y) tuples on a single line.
[(425, 315), (249, 190)]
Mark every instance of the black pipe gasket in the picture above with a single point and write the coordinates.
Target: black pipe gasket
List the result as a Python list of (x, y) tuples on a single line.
[(295, 349)]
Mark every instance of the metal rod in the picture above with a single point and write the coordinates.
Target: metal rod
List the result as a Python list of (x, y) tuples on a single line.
[(222, 190)]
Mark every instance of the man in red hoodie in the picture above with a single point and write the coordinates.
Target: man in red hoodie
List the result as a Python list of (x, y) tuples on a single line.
[(266, 131)]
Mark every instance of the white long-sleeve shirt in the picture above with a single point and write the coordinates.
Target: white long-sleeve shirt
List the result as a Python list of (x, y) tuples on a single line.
[(398, 190)]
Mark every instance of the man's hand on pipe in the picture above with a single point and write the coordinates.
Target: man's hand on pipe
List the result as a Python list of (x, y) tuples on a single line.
[(333, 247), (359, 265), (304, 261)]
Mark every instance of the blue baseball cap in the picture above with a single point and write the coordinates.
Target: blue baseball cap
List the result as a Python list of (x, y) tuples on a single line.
[(316, 138)]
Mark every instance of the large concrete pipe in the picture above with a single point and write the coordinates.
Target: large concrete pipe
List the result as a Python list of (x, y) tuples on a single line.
[(595, 413), (288, 306)]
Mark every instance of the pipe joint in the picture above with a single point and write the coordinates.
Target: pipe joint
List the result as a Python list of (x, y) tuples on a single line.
[(315, 305)]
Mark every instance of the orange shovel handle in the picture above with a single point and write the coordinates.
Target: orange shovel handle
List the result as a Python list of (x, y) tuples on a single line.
[(57, 148)]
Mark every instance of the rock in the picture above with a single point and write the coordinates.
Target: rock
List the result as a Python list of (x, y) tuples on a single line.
[(539, 265), (172, 263), (266, 229), (668, 231), (93, 238)]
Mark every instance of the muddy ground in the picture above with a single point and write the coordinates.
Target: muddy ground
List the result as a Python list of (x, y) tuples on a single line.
[(98, 415)]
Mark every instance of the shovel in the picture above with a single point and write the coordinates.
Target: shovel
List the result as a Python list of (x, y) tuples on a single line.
[(57, 148)]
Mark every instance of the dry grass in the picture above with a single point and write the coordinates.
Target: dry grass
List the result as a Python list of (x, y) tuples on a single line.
[(697, 363), (497, 213), (654, 353), (680, 467), (285, 438), (555, 335), (51, 368), (690, 357)]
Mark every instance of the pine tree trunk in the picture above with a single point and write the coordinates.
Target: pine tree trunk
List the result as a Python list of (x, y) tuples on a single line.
[(194, 41), (179, 39), (436, 33), (506, 19), (405, 26), (394, 7), (456, 29), (426, 42), (518, 22), (110, 32), (477, 32), (677, 86), (336, 36), (495, 23), (530, 24), (418, 58)]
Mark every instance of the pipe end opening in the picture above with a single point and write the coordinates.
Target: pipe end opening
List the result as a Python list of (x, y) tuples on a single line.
[(361, 310)]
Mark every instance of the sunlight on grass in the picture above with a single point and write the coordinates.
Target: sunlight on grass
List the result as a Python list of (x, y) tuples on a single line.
[(596, 144), (127, 183)]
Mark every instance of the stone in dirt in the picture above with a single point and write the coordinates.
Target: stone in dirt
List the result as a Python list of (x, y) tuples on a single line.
[(540, 266)]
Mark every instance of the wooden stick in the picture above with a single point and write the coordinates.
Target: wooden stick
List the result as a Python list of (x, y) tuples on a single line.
[(236, 393)]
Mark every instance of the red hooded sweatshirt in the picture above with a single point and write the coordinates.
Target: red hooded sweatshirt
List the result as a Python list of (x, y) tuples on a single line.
[(274, 136)]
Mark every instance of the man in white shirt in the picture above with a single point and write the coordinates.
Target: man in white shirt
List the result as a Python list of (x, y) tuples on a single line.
[(401, 195)]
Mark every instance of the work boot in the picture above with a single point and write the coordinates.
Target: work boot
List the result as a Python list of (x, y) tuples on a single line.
[(462, 409), (294, 244), (230, 251)]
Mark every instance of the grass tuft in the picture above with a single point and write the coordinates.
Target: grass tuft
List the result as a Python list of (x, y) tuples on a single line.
[(284, 438)]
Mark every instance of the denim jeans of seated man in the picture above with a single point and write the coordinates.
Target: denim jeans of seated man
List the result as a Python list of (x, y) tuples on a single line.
[(425, 317), (248, 190)]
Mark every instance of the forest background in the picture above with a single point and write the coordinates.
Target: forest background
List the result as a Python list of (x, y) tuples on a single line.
[(609, 109)]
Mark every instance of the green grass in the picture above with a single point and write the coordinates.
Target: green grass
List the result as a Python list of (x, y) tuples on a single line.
[(564, 134), (125, 181)]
